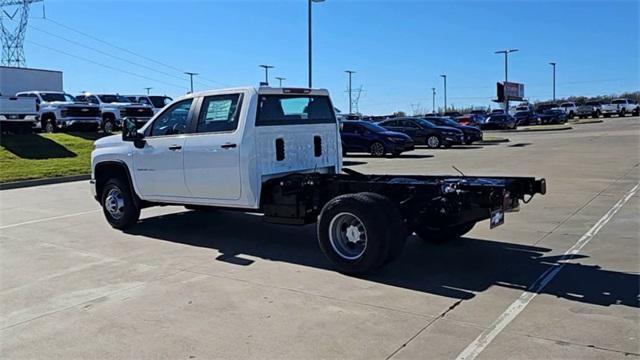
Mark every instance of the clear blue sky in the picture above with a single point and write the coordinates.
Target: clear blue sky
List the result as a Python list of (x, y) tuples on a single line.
[(397, 48)]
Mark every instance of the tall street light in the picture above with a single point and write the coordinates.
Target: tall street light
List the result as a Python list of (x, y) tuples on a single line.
[(433, 100), (148, 88), (554, 80), (309, 33), (191, 75), (266, 72), (506, 77), (350, 72), (280, 80), (445, 92)]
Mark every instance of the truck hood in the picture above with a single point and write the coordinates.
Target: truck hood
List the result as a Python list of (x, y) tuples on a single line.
[(108, 141)]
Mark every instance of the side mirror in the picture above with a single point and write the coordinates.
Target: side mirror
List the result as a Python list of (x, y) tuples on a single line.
[(130, 132)]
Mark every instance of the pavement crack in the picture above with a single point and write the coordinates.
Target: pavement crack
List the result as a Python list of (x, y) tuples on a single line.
[(591, 346), (431, 322)]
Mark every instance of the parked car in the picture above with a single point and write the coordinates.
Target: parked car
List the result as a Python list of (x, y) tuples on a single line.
[(471, 133), (471, 120), (626, 106), (424, 132), (364, 136), (608, 109), (157, 102), (552, 116), (500, 122), (115, 108), (280, 156), (593, 108), (526, 117), (544, 107), (570, 109), (61, 111), (18, 115)]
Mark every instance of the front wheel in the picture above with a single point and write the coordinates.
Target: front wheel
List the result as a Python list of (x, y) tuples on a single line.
[(50, 126), (377, 149), (433, 142), (360, 232), (623, 113), (441, 235), (118, 204), (108, 126)]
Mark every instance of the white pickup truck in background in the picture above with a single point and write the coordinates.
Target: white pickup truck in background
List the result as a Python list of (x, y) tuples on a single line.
[(18, 114), (277, 151), (626, 106)]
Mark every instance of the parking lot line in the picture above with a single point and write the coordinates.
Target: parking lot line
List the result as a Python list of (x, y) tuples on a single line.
[(489, 334), (48, 219)]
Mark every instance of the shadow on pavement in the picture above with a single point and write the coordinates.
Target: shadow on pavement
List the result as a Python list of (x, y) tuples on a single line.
[(33, 146), (458, 269), (353, 163), (455, 147), (401, 156), (519, 145)]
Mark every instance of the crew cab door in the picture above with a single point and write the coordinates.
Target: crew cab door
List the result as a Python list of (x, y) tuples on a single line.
[(212, 152), (159, 165)]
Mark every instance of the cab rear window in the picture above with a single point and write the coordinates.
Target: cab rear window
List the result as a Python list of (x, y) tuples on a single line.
[(294, 110)]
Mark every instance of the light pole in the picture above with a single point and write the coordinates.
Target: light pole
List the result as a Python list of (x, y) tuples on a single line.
[(191, 75), (349, 72), (445, 92), (506, 77), (280, 80), (554, 80), (148, 88), (433, 100), (309, 33), (266, 72)]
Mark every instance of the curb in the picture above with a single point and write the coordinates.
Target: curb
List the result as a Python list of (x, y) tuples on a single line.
[(525, 130), (586, 122), (44, 181), (495, 141)]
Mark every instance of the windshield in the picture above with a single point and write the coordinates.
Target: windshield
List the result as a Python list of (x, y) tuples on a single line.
[(618, 102), (294, 109), (425, 123), (51, 97), (113, 99), (373, 127), (160, 101)]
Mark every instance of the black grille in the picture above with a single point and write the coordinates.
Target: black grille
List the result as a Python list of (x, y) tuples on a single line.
[(83, 111), (138, 112)]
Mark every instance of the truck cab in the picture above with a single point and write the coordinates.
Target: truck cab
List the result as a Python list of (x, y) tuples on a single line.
[(157, 102), (59, 110), (277, 151), (115, 108)]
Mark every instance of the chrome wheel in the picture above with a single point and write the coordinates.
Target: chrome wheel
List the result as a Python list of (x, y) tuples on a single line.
[(108, 127), (433, 142), (49, 127), (114, 204), (348, 236), (377, 149)]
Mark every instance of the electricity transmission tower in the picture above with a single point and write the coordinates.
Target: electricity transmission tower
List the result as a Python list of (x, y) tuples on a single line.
[(14, 15), (355, 99)]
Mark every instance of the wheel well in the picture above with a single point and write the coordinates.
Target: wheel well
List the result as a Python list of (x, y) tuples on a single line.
[(108, 116), (110, 170), (47, 116)]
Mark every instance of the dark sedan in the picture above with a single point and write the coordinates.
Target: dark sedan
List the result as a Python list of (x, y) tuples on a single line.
[(424, 132), (363, 136), (471, 133), (552, 116), (500, 121), (526, 117)]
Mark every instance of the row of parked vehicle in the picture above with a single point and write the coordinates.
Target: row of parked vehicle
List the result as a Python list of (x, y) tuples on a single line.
[(397, 135), (53, 111)]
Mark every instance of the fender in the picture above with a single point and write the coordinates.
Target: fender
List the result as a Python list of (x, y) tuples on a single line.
[(122, 165)]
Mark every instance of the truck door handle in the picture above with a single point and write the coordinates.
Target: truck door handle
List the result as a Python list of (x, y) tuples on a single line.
[(228, 146), (175, 147)]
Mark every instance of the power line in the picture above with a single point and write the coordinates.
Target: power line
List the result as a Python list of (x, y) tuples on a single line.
[(126, 50), (105, 66)]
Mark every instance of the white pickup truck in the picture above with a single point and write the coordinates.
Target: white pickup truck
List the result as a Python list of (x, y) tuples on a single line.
[(17, 114), (61, 111), (115, 108), (277, 151), (626, 106)]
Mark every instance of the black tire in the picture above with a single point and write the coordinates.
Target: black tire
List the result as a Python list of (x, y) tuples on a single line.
[(377, 149), (606, 115), (49, 125), (118, 204), (442, 235), (108, 125), (622, 113), (636, 112), (395, 154), (598, 114), (433, 141), (370, 215)]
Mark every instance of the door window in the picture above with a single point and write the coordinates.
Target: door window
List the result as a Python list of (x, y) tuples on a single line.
[(219, 113), (173, 121)]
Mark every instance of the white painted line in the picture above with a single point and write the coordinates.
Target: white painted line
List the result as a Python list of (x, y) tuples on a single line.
[(48, 219), (487, 336)]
